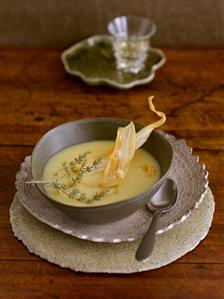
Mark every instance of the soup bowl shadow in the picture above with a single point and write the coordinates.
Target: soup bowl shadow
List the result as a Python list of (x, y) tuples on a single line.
[(85, 130)]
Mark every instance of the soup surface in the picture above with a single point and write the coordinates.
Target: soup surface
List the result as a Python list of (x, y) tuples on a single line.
[(144, 171)]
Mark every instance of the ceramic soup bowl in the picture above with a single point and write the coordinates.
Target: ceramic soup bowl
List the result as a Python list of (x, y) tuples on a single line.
[(85, 130)]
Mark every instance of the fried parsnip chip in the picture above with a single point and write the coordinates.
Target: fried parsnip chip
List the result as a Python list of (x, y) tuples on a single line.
[(123, 152), (127, 142), (144, 133)]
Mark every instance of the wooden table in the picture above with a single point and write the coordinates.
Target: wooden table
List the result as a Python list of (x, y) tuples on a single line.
[(37, 95)]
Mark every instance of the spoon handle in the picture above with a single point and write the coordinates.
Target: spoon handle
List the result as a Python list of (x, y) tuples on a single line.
[(146, 246)]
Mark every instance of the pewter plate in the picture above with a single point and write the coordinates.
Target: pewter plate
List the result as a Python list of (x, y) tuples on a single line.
[(186, 171), (93, 61)]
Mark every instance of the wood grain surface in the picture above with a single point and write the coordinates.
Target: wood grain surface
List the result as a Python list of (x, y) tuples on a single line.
[(36, 95)]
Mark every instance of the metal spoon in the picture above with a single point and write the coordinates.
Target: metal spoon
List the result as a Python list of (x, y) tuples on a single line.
[(164, 199)]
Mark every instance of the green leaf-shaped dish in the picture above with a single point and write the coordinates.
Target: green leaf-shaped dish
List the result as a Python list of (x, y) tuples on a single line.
[(93, 61)]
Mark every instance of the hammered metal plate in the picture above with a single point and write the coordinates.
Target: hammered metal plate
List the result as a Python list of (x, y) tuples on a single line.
[(186, 171), (93, 61)]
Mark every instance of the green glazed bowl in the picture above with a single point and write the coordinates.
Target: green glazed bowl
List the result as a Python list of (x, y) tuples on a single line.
[(93, 61)]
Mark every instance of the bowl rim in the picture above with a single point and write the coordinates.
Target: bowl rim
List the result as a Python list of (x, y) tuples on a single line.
[(99, 207)]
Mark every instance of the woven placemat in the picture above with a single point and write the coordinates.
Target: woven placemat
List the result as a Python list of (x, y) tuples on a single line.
[(70, 252)]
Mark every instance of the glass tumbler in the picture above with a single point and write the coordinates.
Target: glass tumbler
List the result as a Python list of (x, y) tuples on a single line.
[(131, 35)]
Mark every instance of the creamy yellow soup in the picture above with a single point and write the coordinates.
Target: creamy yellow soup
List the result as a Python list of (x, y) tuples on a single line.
[(144, 171)]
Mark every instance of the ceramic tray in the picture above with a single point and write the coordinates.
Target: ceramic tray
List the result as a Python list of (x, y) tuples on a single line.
[(93, 61), (189, 175)]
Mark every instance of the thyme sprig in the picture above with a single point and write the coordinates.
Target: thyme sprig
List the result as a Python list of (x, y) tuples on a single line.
[(74, 171), (81, 161)]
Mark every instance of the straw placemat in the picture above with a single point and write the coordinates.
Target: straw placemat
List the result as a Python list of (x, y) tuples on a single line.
[(79, 255)]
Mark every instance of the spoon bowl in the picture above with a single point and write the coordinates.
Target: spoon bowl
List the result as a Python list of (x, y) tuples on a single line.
[(164, 200)]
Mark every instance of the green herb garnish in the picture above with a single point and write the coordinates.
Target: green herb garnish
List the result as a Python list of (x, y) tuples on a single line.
[(73, 172)]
